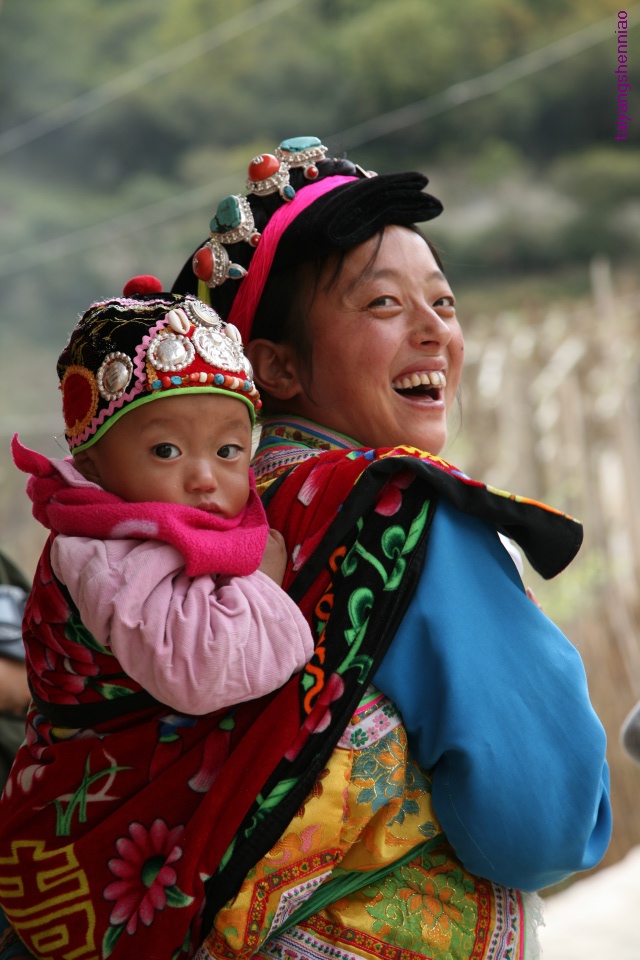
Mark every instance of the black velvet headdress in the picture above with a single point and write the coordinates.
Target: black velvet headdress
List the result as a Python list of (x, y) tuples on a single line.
[(346, 215)]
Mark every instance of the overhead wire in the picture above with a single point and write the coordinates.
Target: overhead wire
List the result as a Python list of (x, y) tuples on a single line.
[(144, 73), (468, 90), (463, 92)]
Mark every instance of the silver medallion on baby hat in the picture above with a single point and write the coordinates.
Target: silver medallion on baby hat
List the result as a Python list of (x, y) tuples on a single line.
[(202, 314), (219, 350), (170, 351), (113, 375), (235, 336)]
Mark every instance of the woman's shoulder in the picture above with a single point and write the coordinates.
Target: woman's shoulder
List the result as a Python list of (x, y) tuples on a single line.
[(549, 538)]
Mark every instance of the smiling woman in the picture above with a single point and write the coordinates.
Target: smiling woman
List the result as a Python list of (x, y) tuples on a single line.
[(431, 776)]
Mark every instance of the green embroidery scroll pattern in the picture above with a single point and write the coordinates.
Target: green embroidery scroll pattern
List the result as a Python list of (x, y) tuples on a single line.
[(395, 545)]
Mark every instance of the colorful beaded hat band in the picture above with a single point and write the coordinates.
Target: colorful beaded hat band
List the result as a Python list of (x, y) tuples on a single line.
[(130, 350)]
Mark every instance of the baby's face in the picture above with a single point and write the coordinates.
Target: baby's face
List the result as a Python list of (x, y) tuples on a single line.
[(192, 450)]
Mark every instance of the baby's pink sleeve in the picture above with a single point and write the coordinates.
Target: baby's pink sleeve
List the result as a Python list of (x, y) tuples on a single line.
[(197, 644)]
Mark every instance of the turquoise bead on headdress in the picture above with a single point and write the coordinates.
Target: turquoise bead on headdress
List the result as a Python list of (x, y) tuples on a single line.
[(305, 152), (299, 144), (233, 222), (228, 215)]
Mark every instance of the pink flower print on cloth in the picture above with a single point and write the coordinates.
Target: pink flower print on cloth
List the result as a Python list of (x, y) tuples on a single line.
[(146, 881), (390, 498)]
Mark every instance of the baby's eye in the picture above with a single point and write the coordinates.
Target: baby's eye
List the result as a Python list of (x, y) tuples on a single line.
[(166, 451), (230, 451)]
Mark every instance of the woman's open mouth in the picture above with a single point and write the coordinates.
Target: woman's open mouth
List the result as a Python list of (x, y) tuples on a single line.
[(424, 384)]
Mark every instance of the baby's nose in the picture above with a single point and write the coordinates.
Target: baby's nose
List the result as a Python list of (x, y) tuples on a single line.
[(202, 476)]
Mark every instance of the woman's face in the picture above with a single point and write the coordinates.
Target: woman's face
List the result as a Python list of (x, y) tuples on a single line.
[(386, 347)]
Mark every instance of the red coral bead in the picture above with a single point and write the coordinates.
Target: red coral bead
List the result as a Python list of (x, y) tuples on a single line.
[(202, 263), (263, 167)]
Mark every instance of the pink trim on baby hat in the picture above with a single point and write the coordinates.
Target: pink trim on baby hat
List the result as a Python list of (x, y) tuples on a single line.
[(251, 287)]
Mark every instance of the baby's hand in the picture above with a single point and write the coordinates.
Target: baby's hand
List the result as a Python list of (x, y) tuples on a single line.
[(274, 560)]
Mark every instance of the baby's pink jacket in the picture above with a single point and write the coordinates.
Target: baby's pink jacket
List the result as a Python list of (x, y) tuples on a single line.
[(195, 643)]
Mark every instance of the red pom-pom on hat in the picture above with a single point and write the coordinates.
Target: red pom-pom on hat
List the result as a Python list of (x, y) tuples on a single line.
[(142, 284)]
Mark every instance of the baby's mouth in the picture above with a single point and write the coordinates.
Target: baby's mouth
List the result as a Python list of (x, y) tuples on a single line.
[(424, 384)]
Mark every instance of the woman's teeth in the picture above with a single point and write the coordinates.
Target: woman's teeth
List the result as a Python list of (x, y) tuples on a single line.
[(434, 379)]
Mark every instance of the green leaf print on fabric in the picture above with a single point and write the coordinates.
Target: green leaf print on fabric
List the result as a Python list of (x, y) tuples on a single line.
[(76, 631), (110, 940), (358, 552), (111, 691), (78, 800)]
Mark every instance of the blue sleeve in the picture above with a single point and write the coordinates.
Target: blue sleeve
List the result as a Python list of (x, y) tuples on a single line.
[(495, 702)]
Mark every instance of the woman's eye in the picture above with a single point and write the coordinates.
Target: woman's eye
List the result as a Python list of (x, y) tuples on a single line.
[(166, 451), (383, 301), (230, 451), (446, 302)]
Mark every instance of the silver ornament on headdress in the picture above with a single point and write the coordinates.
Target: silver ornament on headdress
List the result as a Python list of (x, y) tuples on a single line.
[(233, 222), (202, 314), (277, 182), (220, 267)]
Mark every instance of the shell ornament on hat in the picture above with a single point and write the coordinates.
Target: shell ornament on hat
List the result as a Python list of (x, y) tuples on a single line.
[(300, 205), (144, 346)]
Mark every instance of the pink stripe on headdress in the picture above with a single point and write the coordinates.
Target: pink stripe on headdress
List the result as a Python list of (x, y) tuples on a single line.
[(251, 287)]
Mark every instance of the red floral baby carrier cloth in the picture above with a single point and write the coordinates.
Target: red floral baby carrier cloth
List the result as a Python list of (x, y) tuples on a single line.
[(125, 827)]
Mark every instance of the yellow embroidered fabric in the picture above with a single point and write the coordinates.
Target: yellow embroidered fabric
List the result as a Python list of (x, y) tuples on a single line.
[(369, 809)]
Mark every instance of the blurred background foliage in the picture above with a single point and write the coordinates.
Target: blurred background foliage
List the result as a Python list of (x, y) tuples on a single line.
[(123, 122), (148, 111)]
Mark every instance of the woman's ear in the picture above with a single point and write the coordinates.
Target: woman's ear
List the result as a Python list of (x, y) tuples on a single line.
[(275, 368)]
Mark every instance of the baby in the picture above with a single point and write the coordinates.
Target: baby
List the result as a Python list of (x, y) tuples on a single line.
[(155, 607)]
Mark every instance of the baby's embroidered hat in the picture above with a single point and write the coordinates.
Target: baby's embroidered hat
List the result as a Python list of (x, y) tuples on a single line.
[(143, 346)]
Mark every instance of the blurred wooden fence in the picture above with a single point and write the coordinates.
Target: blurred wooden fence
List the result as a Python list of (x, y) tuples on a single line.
[(551, 409)]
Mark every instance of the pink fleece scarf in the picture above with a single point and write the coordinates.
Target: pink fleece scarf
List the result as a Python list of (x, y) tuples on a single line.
[(64, 502)]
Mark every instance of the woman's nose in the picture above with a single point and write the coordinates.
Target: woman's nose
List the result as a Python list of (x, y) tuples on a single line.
[(428, 326)]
